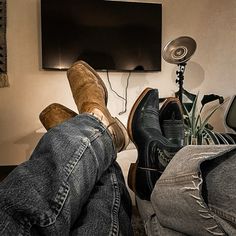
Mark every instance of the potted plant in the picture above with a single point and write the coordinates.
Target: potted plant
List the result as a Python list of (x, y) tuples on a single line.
[(197, 129)]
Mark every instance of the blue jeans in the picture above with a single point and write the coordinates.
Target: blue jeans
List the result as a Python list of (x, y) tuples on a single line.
[(71, 185), (196, 194)]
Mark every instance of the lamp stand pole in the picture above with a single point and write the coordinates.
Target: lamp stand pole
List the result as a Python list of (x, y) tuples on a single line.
[(180, 80)]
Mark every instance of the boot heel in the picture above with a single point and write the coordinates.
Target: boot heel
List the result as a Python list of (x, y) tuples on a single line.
[(124, 131), (132, 176)]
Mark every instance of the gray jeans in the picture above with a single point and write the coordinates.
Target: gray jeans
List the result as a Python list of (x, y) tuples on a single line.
[(196, 194), (71, 185)]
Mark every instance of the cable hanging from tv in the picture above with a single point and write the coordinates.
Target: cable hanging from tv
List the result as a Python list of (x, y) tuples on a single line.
[(126, 92)]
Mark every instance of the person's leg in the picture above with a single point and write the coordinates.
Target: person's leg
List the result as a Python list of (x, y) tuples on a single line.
[(109, 206), (218, 190), (158, 135), (150, 220), (45, 195), (178, 198), (48, 191), (108, 209)]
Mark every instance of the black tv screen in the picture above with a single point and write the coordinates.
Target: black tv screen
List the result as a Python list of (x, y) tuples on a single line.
[(109, 35)]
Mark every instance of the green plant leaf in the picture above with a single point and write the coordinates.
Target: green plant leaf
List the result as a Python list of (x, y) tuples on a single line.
[(210, 98), (201, 128), (193, 115), (187, 115), (211, 135), (198, 120), (193, 122), (190, 97)]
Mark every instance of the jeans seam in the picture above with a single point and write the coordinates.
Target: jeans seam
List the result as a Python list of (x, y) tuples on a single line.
[(75, 158), (22, 229), (222, 214), (180, 179), (64, 189), (114, 230)]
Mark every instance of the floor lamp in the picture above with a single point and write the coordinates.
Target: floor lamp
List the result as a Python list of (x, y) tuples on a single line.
[(179, 51)]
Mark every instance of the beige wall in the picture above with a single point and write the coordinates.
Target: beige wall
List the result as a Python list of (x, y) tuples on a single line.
[(212, 23)]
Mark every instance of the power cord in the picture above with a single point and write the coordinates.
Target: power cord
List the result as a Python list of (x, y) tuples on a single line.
[(126, 92)]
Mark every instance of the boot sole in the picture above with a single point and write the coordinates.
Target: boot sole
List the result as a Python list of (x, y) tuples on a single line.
[(100, 81), (133, 109), (133, 166)]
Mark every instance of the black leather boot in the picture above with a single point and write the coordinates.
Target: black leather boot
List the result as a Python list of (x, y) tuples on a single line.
[(153, 148), (171, 121)]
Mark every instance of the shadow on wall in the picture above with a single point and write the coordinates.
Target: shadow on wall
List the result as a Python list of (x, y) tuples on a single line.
[(29, 141), (193, 77), (19, 151)]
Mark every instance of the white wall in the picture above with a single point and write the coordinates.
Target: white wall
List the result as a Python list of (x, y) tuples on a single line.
[(212, 23)]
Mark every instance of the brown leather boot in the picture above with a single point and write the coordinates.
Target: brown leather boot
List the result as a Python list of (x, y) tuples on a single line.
[(86, 86), (54, 115), (90, 95)]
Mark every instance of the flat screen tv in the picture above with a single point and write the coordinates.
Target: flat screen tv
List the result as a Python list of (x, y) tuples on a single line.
[(109, 35)]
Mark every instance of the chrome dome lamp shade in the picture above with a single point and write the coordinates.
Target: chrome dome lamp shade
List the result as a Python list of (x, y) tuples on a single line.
[(179, 51)]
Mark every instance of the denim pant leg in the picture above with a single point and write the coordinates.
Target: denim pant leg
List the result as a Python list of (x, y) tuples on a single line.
[(108, 210), (178, 197), (195, 195), (46, 194), (150, 220), (219, 191)]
